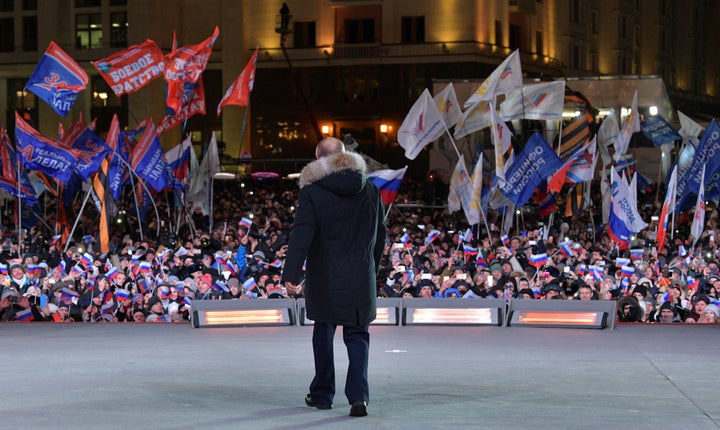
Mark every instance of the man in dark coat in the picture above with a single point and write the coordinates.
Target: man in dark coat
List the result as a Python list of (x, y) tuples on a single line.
[(339, 230)]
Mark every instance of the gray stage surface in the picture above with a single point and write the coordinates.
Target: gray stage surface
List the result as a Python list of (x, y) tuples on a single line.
[(95, 376)]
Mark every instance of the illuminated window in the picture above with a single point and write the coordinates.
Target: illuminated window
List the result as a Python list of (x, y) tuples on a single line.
[(88, 30)]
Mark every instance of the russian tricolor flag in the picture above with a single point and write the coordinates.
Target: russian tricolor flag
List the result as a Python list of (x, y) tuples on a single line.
[(692, 283), (627, 271), (620, 261), (388, 182), (565, 249), (122, 294), (245, 222), (86, 259), (636, 254), (480, 262), (33, 269), (249, 284), (145, 268), (538, 260), (432, 236), (112, 273), (25, 315), (220, 287), (505, 239)]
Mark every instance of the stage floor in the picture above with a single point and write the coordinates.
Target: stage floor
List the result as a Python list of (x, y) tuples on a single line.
[(160, 376)]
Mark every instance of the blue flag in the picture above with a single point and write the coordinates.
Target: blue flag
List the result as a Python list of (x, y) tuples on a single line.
[(38, 152), (147, 159), (9, 180), (658, 130), (119, 156), (90, 149), (708, 154), (534, 164), (57, 79)]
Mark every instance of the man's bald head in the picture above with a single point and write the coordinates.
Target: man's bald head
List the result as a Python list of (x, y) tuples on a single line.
[(329, 146)]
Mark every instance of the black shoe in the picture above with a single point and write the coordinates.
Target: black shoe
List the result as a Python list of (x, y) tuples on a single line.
[(358, 408), (309, 401)]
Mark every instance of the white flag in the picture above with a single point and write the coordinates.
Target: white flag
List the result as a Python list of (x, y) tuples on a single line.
[(543, 101), (698, 223), (583, 168), (475, 118), (201, 182), (630, 126), (503, 146), (460, 187), (473, 213), (448, 106), (422, 125), (606, 135), (689, 128), (505, 78)]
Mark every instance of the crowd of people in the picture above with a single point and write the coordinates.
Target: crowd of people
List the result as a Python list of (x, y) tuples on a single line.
[(239, 255)]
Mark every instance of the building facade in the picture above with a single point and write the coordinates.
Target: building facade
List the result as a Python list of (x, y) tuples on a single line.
[(338, 67)]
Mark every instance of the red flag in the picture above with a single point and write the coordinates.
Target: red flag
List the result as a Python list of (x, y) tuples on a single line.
[(239, 92), (183, 67)]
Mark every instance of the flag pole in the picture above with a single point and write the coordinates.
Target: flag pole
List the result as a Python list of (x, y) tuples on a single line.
[(19, 214), (77, 219), (242, 133)]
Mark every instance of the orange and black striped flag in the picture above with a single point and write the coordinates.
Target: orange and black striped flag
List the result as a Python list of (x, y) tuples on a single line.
[(104, 202), (579, 131)]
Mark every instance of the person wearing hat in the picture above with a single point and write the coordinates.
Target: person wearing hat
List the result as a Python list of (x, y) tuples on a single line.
[(155, 309), (340, 231), (18, 278), (710, 315), (552, 291), (204, 288), (668, 313), (699, 303), (235, 292)]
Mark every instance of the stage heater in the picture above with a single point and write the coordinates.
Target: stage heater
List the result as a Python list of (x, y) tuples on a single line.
[(388, 312), (240, 313), (419, 311), (592, 314)]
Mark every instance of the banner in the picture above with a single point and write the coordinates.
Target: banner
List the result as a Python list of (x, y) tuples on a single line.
[(184, 66), (475, 118), (131, 69), (57, 79), (658, 130), (630, 127), (535, 163), (708, 151), (447, 104), (119, 155), (90, 149), (422, 125), (505, 78), (239, 92), (543, 101), (147, 159), (196, 105), (9, 173), (38, 152)]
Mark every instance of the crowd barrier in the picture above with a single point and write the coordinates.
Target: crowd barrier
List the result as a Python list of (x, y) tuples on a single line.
[(594, 314)]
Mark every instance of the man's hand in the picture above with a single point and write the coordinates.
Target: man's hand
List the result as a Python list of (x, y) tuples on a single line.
[(292, 287)]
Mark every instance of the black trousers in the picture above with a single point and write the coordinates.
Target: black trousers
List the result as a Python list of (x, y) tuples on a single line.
[(357, 342)]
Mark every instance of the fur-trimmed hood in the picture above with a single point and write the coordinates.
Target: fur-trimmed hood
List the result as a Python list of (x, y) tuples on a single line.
[(317, 170)]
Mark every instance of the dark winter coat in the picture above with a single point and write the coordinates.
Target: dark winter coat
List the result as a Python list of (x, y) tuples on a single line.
[(339, 228)]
